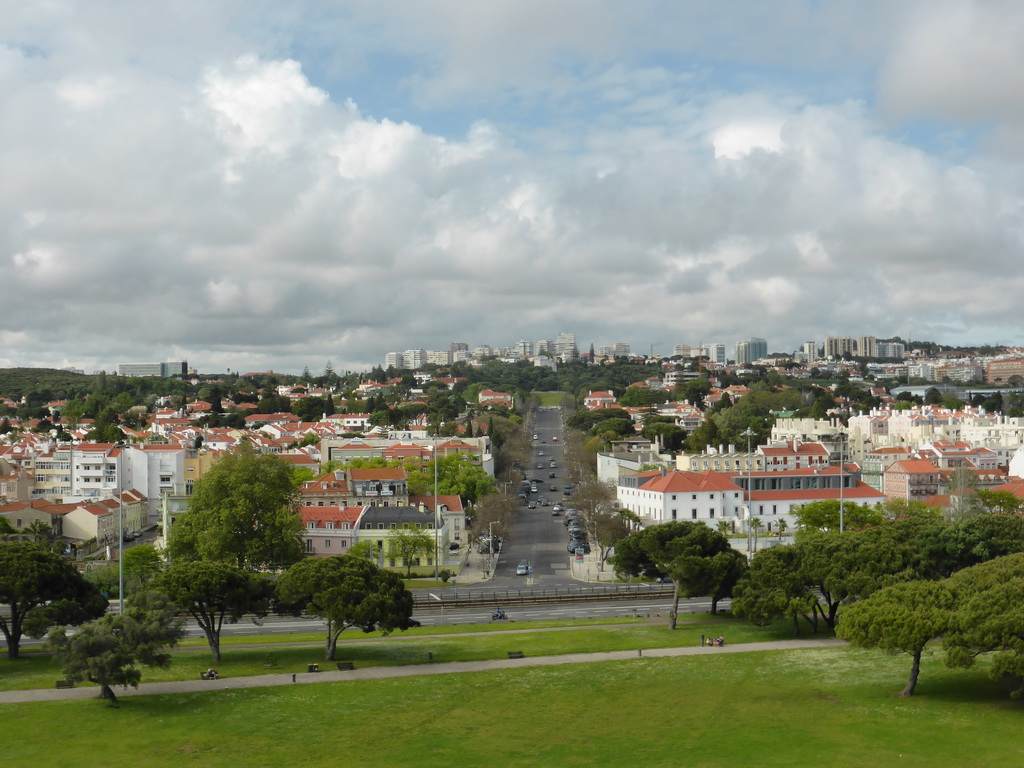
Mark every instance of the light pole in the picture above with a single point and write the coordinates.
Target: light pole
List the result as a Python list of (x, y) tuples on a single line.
[(437, 532), (120, 532), (748, 433), (842, 482), (442, 605)]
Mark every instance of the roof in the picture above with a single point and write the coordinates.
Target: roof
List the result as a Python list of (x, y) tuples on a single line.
[(330, 514), (377, 473), (678, 481), (398, 516)]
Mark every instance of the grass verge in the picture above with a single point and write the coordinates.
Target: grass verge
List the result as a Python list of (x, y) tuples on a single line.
[(831, 707)]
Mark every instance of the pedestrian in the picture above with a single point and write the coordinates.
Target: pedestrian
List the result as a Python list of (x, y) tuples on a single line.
[(702, 641)]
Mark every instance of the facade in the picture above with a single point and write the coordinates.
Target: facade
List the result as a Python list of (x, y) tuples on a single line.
[(378, 486), (1003, 371), (163, 370), (378, 525), (912, 479), (329, 530), (892, 349), (840, 346), (867, 346)]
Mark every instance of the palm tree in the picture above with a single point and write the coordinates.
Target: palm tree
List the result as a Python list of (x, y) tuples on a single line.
[(781, 527), (755, 526), (39, 530), (724, 527)]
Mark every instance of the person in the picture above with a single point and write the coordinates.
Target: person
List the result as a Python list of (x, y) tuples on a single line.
[(210, 674), (702, 641)]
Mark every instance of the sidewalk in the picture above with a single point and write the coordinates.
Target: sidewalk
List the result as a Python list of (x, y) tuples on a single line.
[(474, 569), (385, 673)]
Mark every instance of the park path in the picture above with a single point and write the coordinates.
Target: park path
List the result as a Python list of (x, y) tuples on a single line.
[(412, 670)]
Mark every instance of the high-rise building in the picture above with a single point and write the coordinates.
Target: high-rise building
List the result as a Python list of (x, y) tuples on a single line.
[(164, 370), (840, 346), (620, 349), (415, 358), (867, 346), (394, 360), (565, 345), (459, 346), (892, 349), (524, 348), (758, 348), (681, 350), (439, 357), (715, 353), (809, 351)]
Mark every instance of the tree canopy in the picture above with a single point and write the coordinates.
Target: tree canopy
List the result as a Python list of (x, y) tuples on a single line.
[(241, 512), (699, 560), (42, 589), (346, 592), (212, 593), (108, 650)]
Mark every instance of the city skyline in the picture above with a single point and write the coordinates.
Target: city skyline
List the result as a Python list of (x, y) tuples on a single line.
[(247, 185)]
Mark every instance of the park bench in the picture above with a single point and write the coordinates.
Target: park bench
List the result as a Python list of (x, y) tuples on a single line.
[(65, 684), (516, 655), (346, 666)]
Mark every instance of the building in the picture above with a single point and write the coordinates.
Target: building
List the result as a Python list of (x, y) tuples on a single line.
[(164, 370), (394, 360), (840, 346), (524, 348), (439, 357), (753, 349), (912, 479), (620, 349), (809, 351), (867, 346), (329, 530), (415, 358), (1005, 372), (565, 345), (891, 349)]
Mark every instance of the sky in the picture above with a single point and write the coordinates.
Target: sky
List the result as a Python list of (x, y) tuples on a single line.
[(253, 185)]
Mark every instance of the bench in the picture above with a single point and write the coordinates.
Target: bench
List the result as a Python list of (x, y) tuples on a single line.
[(270, 661), (516, 655), (65, 684), (346, 666)]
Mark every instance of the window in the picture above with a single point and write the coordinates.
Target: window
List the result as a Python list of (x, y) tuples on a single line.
[(311, 524), (309, 545), (327, 543), (711, 513), (342, 543), (344, 526), (693, 514), (673, 514), (330, 526)]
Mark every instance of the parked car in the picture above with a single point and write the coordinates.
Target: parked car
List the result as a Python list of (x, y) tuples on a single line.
[(523, 568), (574, 545), (555, 511), (543, 501), (559, 507), (551, 475), (532, 505), (540, 453)]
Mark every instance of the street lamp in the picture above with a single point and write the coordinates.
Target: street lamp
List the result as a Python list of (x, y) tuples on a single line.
[(120, 532), (842, 482), (437, 533), (748, 433), (442, 605)]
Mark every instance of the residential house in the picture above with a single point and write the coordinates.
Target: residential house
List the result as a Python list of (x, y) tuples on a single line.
[(329, 530)]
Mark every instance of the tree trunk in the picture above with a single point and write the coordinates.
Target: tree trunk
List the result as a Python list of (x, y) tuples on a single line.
[(915, 670), (332, 644), (714, 606), (13, 637), (675, 608), (214, 641), (106, 692), (796, 624)]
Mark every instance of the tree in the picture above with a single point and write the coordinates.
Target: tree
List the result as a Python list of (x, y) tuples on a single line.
[(408, 543), (902, 618), (142, 563), (212, 593), (684, 551), (823, 515), (241, 511), (41, 589), (989, 607), (346, 592), (961, 487), (773, 588), (108, 650)]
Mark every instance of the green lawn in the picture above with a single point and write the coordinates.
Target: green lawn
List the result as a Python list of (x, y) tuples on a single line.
[(550, 398), (414, 647), (833, 707)]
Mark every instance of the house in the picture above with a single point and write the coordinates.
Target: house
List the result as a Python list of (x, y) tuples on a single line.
[(330, 490), (913, 479), (379, 486), (329, 530), (378, 525), (659, 496), (491, 399), (597, 400)]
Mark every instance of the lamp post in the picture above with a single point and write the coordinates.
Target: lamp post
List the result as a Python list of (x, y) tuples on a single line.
[(120, 532), (748, 433), (842, 483), (437, 532)]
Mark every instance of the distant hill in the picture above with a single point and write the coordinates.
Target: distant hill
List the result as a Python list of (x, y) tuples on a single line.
[(16, 382)]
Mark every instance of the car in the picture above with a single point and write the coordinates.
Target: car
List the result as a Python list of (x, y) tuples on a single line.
[(523, 568), (574, 545), (567, 492), (540, 453), (555, 512), (543, 502), (532, 505), (553, 489), (554, 439), (535, 437), (522, 495), (540, 465), (568, 486), (552, 465), (558, 506), (550, 475)]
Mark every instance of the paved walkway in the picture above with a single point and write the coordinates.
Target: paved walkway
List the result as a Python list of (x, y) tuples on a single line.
[(414, 670)]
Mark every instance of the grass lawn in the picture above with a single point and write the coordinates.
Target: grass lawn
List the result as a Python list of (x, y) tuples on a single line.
[(550, 398), (413, 647), (832, 707)]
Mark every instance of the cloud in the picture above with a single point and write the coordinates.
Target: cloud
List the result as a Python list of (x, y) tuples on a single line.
[(629, 174)]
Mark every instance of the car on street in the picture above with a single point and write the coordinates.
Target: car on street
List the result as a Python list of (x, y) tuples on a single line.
[(555, 512), (574, 545), (553, 489), (532, 505), (558, 506), (554, 439), (540, 465), (540, 453), (551, 475), (523, 568), (543, 501)]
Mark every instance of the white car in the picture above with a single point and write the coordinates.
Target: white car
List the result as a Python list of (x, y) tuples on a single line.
[(523, 568)]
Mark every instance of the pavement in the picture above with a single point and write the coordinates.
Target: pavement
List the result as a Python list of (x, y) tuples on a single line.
[(414, 670)]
